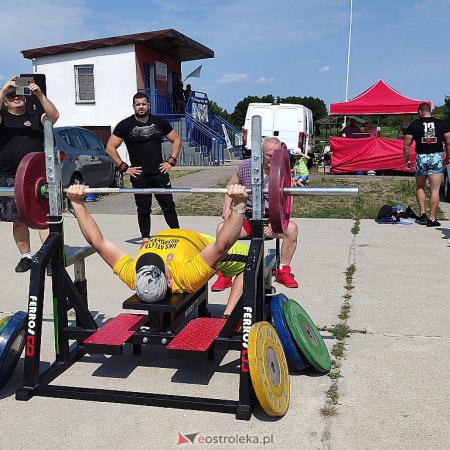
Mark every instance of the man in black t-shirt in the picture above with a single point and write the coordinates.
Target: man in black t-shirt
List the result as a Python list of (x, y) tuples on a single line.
[(142, 133), (20, 133), (430, 135)]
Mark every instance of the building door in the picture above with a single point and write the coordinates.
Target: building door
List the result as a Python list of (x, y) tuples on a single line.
[(149, 80)]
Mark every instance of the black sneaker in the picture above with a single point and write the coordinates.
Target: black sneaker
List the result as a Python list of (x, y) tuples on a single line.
[(422, 219), (433, 223), (24, 265)]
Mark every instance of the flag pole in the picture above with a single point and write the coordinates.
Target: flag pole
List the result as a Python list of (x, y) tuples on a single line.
[(348, 55)]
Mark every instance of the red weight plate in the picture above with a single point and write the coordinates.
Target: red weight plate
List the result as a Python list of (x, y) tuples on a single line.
[(30, 175), (279, 203)]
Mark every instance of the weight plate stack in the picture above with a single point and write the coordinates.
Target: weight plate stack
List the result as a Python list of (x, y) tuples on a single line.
[(12, 342), (307, 336)]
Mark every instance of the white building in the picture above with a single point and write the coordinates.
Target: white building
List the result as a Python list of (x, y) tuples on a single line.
[(92, 82)]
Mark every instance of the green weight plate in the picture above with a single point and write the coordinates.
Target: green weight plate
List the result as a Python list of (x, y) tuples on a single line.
[(307, 336), (4, 322)]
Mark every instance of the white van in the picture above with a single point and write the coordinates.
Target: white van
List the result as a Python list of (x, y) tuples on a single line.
[(292, 124)]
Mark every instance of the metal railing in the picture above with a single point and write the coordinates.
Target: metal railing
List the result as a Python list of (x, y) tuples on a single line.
[(161, 102), (209, 144), (212, 144), (232, 136)]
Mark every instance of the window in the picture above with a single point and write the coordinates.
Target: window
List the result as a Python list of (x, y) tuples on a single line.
[(64, 134), (77, 139), (84, 84), (92, 141)]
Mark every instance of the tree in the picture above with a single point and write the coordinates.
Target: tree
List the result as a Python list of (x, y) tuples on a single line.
[(218, 110), (316, 105), (443, 111), (237, 118)]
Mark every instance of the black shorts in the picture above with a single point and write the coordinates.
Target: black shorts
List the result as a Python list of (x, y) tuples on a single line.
[(8, 209)]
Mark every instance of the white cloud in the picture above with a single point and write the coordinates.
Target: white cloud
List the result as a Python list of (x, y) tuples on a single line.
[(324, 69), (264, 80), (233, 78)]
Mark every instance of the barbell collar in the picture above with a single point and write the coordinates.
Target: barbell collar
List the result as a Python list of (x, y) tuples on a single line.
[(346, 191), (349, 191)]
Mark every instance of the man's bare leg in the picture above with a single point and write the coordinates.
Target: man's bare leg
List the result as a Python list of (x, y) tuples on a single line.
[(289, 244), (435, 180), (21, 235), (235, 293), (43, 234), (420, 193)]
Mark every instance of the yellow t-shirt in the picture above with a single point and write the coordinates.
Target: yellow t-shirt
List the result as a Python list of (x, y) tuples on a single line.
[(180, 250)]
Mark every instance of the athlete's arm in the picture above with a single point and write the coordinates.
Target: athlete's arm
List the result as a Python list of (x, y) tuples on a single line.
[(108, 251), (226, 211), (229, 234), (407, 141)]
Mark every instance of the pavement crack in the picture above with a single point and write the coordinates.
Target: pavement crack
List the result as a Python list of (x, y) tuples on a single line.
[(341, 331)]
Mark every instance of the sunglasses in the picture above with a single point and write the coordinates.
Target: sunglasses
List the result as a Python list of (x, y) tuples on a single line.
[(12, 94)]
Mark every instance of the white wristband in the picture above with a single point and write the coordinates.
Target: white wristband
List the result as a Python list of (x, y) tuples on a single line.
[(238, 211)]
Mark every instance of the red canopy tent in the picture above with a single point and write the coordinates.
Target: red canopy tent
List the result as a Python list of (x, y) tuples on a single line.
[(380, 98), (354, 155)]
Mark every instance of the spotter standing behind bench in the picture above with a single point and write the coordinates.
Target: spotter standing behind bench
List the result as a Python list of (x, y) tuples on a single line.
[(176, 260)]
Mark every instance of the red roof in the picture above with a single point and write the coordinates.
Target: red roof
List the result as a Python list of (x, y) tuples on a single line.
[(380, 98), (169, 42)]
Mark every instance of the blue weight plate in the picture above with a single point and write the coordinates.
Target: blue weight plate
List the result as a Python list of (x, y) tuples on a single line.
[(12, 342), (280, 324)]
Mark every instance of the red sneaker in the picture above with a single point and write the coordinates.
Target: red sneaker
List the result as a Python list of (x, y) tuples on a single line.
[(284, 276), (221, 283)]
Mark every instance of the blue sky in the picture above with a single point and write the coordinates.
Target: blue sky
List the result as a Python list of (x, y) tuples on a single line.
[(287, 47)]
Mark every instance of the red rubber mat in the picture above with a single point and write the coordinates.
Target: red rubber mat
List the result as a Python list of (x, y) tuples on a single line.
[(117, 330), (197, 335)]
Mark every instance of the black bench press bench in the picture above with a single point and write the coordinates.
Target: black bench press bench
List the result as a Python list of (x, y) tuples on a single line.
[(157, 327)]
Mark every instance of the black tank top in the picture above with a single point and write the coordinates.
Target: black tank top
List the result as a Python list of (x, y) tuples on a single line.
[(19, 135)]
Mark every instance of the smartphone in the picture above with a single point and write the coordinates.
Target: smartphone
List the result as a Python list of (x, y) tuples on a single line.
[(22, 84)]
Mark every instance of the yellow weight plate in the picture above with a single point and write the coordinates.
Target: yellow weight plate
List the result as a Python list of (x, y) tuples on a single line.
[(4, 322), (268, 369)]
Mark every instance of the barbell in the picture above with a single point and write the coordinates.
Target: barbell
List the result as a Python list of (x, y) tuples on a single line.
[(30, 191)]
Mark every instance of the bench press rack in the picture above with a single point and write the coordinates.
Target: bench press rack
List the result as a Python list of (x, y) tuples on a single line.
[(159, 327)]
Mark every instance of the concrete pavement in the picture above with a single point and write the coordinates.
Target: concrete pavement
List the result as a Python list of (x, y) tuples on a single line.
[(394, 391)]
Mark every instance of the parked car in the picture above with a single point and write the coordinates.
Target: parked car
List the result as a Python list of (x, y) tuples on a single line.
[(83, 159)]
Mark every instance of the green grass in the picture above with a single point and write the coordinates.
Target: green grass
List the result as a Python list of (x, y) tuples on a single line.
[(328, 410), (373, 194), (340, 331), (338, 350), (333, 394), (334, 375)]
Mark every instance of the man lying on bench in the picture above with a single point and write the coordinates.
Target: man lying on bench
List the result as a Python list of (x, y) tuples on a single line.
[(176, 260)]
